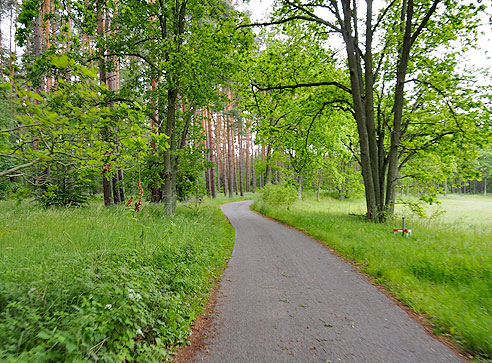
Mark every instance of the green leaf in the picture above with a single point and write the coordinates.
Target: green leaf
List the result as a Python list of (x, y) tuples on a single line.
[(43, 334), (60, 62)]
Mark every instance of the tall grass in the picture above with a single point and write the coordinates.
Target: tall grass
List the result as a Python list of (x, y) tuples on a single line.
[(105, 284), (444, 269)]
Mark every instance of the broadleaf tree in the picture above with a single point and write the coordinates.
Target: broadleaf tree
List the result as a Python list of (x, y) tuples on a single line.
[(386, 49)]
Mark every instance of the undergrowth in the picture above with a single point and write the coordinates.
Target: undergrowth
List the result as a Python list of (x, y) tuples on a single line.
[(441, 270), (105, 284)]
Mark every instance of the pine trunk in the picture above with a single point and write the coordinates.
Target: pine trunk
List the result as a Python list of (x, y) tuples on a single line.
[(211, 156), (240, 139), (248, 182), (229, 162)]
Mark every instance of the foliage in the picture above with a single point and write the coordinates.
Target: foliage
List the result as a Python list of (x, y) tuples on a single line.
[(282, 195), (88, 284), (301, 125), (485, 162), (444, 270), (440, 111), (65, 193), (64, 126)]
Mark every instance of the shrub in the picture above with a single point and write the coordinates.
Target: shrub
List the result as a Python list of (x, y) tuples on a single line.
[(282, 195), (63, 196)]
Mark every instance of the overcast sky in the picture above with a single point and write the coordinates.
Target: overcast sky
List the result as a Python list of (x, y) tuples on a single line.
[(260, 11), (480, 58)]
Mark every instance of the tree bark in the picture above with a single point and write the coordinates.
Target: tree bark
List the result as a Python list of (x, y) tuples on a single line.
[(268, 168), (240, 164), (211, 156), (229, 161), (300, 188), (223, 156), (253, 171), (169, 190), (106, 190), (234, 171), (484, 185), (102, 79), (206, 155)]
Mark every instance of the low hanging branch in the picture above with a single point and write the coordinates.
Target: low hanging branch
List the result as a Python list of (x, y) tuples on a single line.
[(19, 167), (304, 85)]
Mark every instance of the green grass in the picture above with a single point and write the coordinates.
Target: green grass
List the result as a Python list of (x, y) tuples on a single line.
[(443, 270), (95, 283)]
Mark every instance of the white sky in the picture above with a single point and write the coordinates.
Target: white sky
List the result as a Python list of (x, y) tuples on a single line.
[(260, 11), (479, 58)]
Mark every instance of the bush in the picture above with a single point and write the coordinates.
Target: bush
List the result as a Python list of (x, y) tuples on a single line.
[(281, 195), (63, 196)]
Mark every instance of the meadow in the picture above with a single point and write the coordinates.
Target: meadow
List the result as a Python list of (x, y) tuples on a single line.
[(444, 270), (110, 284)]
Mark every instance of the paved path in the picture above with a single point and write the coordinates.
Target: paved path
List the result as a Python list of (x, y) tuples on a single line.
[(285, 298)]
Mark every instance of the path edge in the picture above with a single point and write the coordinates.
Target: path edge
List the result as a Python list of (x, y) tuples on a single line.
[(422, 319), (196, 340)]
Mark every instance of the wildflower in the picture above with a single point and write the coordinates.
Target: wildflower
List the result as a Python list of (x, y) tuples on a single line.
[(130, 201), (106, 168), (108, 306), (139, 332), (133, 295), (138, 204)]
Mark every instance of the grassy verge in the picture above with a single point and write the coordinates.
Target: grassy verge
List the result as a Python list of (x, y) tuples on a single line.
[(440, 271), (105, 284)]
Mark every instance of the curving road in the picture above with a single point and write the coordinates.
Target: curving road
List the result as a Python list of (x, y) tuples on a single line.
[(285, 298)]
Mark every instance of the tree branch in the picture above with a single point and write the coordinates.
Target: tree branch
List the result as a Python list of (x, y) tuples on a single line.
[(424, 21), (303, 85), (19, 167)]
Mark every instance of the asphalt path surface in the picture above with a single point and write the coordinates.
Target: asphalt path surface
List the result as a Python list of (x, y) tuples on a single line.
[(285, 298)]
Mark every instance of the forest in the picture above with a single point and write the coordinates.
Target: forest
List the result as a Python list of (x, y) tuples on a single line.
[(125, 124)]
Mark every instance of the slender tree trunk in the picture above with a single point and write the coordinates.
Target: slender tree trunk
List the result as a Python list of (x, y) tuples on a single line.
[(116, 193), (484, 185), (248, 185), (234, 171), (47, 28), (217, 153), (211, 155), (229, 161), (106, 190), (121, 188), (102, 79), (268, 167), (300, 187), (253, 171), (37, 40), (223, 153), (156, 190), (206, 143), (169, 192), (240, 139)]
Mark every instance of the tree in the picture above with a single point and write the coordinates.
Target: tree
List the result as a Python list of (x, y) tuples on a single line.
[(64, 123), (485, 167), (184, 49), (385, 52)]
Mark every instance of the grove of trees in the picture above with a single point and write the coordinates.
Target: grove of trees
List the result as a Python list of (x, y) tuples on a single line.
[(189, 97)]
